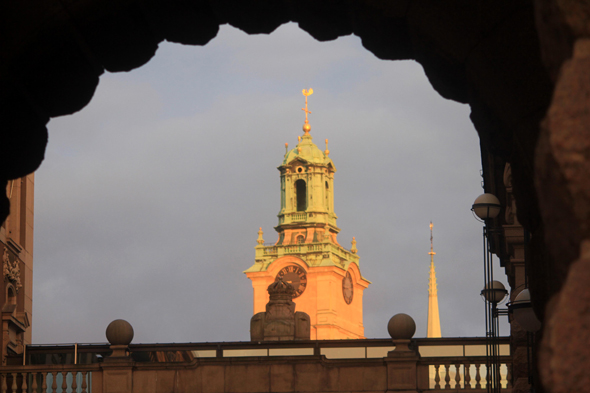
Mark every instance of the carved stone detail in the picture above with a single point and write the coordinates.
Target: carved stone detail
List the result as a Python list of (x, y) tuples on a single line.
[(280, 321), (11, 271)]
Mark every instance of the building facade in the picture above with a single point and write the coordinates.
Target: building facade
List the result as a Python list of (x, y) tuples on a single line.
[(16, 250)]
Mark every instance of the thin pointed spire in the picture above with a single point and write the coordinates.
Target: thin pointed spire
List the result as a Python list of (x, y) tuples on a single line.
[(433, 314)]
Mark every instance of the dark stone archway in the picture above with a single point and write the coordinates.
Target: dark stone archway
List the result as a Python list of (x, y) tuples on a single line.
[(502, 57)]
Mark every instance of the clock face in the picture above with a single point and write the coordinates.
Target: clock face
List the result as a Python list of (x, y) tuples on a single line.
[(347, 289), (295, 276)]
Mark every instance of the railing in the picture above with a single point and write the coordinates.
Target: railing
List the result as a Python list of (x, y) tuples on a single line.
[(298, 216), (47, 379), (447, 364), (301, 248), (464, 373)]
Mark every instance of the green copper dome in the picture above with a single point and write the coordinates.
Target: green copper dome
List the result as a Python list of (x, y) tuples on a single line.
[(307, 151)]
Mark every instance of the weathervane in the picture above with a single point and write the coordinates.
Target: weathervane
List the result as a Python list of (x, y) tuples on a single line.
[(431, 248), (306, 126)]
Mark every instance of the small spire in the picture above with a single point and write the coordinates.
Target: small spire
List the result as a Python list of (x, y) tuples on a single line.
[(299, 138), (353, 248), (260, 239), (286, 148), (327, 152), (299, 150), (433, 322), (306, 126)]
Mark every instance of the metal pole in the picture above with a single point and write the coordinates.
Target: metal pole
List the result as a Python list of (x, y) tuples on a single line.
[(489, 348)]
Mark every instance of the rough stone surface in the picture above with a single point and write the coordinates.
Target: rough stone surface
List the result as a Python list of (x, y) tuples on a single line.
[(563, 161), (564, 350)]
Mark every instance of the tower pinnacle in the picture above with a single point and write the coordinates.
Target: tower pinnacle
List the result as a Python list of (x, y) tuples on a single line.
[(433, 315), (306, 126)]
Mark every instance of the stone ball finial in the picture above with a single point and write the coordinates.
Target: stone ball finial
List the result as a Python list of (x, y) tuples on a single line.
[(119, 332), (401, 327)]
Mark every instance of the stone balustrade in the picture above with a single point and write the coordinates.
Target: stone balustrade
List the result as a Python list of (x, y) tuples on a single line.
[(334, 366), (280, 250)]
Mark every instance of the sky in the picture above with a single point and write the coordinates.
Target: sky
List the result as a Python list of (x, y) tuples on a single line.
[(149, 200)]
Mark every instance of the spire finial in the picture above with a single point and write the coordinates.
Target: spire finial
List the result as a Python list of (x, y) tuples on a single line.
[(260, 240), (286, 148), (431, 247), (327, 152), (306, 126), (353, 248)]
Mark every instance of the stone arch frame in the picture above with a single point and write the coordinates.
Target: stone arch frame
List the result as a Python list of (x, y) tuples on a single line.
[(286, 260), (491, 55)]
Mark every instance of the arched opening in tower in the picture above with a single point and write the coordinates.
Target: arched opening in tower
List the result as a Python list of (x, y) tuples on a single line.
[(327, 198), (301, 190)]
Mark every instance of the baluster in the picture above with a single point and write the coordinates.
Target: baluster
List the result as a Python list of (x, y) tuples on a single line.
[(64, 382), (54, 383), (4, 387), (35, 387), (489, 376), (508, 375), (25, 387), (437, 377), (467, 376), (14, 387), (457, 376), (74, 383), (44, 382), (477, 376), (84, 386), (447, 377)]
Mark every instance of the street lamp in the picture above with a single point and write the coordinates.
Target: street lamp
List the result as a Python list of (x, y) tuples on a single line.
[(523, 313), (494, 292), (487, 207)]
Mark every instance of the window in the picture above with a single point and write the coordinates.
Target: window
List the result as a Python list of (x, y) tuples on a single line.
[(301, 191)]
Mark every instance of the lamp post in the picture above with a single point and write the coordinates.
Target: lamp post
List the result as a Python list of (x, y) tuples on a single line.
[(493, 293), (487, 207)]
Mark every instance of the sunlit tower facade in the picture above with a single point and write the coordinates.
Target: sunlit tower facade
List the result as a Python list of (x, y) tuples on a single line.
[(326, 276)]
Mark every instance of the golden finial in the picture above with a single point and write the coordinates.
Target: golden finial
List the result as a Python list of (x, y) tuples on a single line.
[(306, 126), (353, 248), (299, 150), (327, 152), (299, 138), (260, 240), (286, 148), (431, 247)]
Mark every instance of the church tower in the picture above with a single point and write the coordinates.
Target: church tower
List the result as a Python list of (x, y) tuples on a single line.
[(326, 276), (433, 316)]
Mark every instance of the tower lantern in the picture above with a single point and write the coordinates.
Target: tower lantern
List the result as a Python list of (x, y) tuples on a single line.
[(326, 276)]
